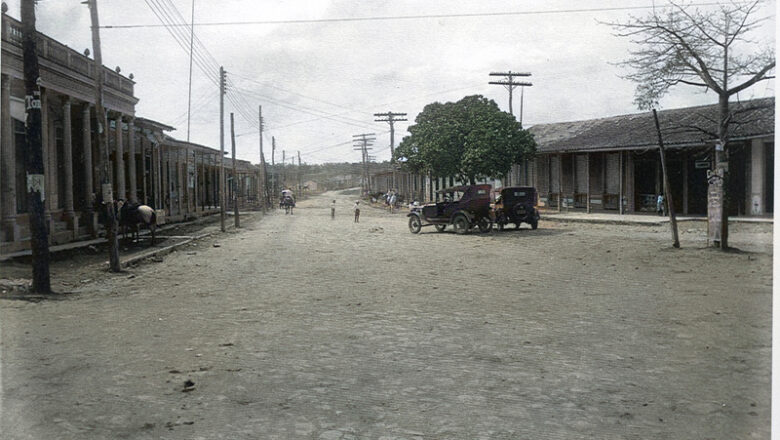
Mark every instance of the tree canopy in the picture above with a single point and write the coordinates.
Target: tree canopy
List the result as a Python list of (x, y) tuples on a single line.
[(468, 139), (711, 49)]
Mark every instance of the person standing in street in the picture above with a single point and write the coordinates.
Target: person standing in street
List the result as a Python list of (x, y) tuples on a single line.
[(333, 209), (392, 201), (357, 211), (659, 205)]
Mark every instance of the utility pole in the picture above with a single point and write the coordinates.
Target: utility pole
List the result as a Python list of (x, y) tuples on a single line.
[(262, 184), (189, 89), (509, 83), (235, 174), (273, 167), (300, 187), (284, 177), (667, 188), (106, 191), (34, 144), (362, 142), (222, 198), (391, 118)]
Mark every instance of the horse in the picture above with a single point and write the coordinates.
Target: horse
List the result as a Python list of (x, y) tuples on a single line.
[(130, 215), (288, 203)]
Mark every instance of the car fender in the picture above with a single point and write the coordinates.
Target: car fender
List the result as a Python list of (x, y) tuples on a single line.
[(464, 213)]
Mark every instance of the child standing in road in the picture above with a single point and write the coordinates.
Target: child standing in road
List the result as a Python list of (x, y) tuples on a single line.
[(333, 209), (357, 211)]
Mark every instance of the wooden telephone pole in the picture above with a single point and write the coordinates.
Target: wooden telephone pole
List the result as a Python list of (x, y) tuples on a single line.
[(234, 181), (262, 182), (34, 142), (106, 190), (222, 198), (391, 118), (300, 186), (667, 188), (273, 168), (510, 84), (362, 142)]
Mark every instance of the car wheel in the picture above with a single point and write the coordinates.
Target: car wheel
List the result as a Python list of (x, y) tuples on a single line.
[(534, 224), (484, 224), (461, 224), (500, 226), (415, 224), (440, 228)]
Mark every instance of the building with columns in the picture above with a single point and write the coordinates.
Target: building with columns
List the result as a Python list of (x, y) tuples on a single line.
[(179, 179), (595, 164)]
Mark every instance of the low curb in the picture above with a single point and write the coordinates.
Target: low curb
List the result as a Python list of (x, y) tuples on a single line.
[(162, 251)]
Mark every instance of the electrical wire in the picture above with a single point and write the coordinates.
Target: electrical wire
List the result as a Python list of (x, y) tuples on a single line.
[(411, 17)]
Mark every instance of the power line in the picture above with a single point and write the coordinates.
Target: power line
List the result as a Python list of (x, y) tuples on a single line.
[(409, 17)]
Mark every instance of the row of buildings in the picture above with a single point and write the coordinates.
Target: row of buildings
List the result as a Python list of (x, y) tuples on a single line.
[(179, 179), (613, 165), (608, 164)]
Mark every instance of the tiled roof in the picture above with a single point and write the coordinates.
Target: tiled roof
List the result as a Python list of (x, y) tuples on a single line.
[(754, 118)]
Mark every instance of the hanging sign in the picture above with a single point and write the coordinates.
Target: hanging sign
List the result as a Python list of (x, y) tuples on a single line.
[(35, 184)]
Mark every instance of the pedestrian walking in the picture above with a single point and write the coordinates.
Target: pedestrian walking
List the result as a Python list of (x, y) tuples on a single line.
[(392, 201), (357, 211), (333, 209)]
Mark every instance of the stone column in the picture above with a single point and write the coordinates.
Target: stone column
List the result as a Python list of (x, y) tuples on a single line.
[(67, 158), (47, 153), (131, 160), (119, 163), (144, 185), (7, 165), (89, 197)]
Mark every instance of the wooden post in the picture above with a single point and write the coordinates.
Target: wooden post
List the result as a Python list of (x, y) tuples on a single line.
[(587, 182), (235, 175), (106, 191), (221, 149), (560, 182), (620, 183), (667, 189), (35, 169)]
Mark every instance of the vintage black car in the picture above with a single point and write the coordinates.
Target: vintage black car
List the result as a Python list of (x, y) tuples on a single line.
[(516, 204), (463, 207)]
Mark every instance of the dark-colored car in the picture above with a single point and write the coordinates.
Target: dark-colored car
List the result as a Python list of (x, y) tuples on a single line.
[(463, 207), (516, 204)]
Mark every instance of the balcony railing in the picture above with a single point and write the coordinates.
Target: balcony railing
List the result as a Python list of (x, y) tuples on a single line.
[(52, 50)]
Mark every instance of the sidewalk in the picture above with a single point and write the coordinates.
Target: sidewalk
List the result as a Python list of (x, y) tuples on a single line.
[(635, 219), (213, 218)]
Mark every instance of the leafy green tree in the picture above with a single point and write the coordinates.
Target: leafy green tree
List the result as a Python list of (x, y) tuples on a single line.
[(469, 139)]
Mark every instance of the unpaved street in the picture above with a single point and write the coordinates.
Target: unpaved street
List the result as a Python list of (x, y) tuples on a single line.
[(303, 327)]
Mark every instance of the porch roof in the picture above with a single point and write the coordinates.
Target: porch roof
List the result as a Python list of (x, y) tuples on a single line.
[(683, 127)]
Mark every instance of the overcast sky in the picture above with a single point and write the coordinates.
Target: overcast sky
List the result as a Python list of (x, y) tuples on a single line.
[(320, 83)]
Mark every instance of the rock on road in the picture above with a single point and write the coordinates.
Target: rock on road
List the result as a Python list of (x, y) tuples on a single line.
[(305, 327)]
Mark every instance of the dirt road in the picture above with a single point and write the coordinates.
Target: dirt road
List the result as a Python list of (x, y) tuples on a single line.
[(303, 327)]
